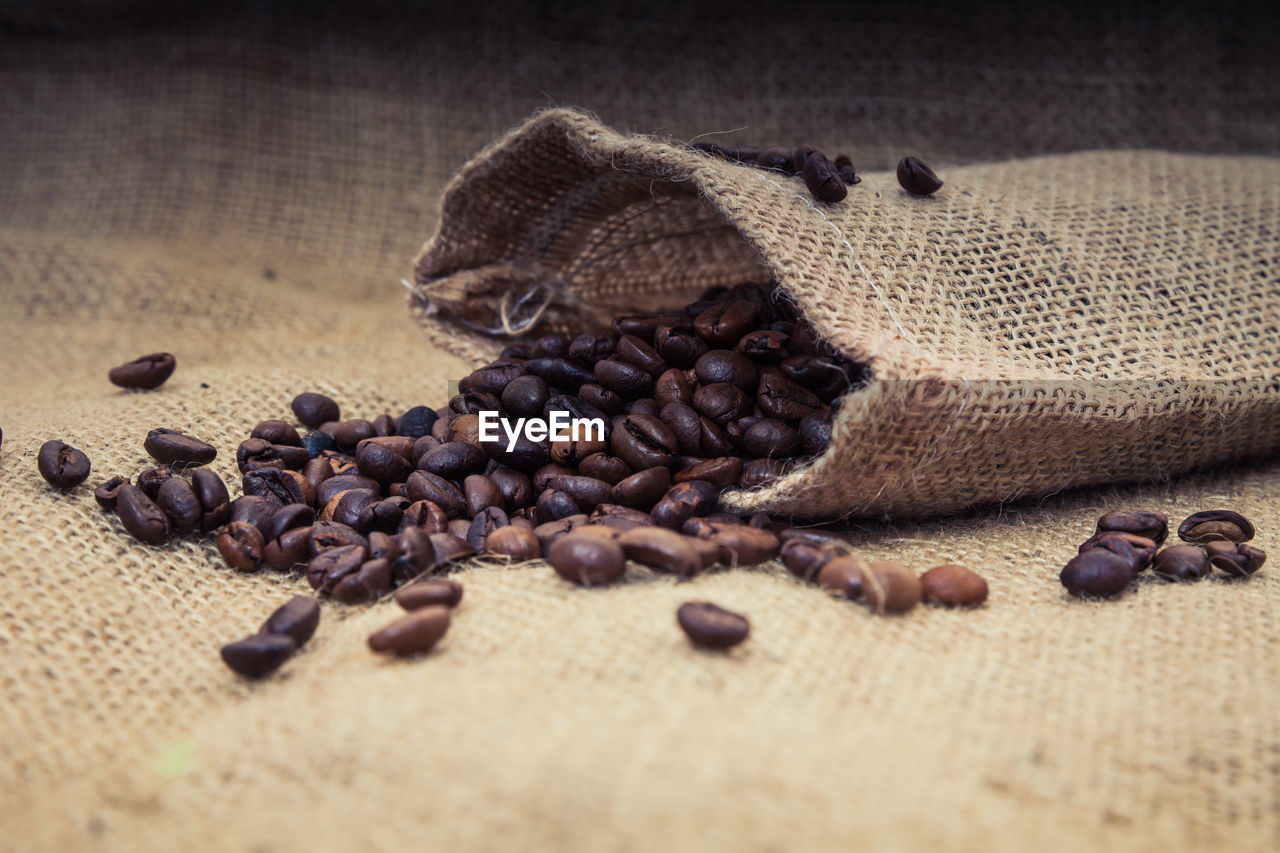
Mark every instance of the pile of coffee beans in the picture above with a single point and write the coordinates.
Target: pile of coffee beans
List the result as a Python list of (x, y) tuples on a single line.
[(1127, 542), (827, 180)]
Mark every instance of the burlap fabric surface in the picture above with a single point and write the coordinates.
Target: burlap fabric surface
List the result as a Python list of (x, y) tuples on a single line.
[(246, 193)]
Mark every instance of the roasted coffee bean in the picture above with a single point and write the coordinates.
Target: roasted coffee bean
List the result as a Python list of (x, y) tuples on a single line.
[(764, 346), (145, 521), (722, 472), (551, 346), (371, 580), (454, 460), (814, 536), (672, 386), (558, 373), (384, 426), (643, 442), (573, 451), (526, 455), (587, 349), (240, 544), (601, 398), (518, 543), (815, 431), (1138, 550), (259, 655), (459, 527), (661, 550), (742, 544), (489, 520), (954, 585), (890, 587), (587, 492), (587, 560), (776, 158), (288, 549), (525, 396), (781, 398), (1215, 525), (721, 365), (516, 488), (329, 487), (463, 428), (480, 493), (352, 432), (383, 546), (1235, 558), (297, 618), (413, 633), (800, 156), (277, 432), (313, 409), (710, 626), (840, 575), (383, 515), (381, 463), (554, 505), (151, 479), (1181, 563), (634, 351), (1097, 573), (178, 501), (722, 402), (723, 324), (425, 486), (762, 472), (415, 554), (643, 489), (170, 447), (679, 346), (643, 326), (416, 422), (495, 378), (623, 378), (425, 515), (253, 510), (450, 548), (823, 180), (288, 487), (683, 501), (327, 568), (685, 425), (917, 178), (317, 442), (1142, 522), (328, 535), (805, 560), (107, 493), (543, 476), (845, 166), (602, 466), (422, 445), (62, 465), (149, 371), (256, 453), (444, 420), (769, 438), (428, 592), (345, 507)]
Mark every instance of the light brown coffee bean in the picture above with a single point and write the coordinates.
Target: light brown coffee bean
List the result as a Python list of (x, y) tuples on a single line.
[(953, 585), (416, 632)]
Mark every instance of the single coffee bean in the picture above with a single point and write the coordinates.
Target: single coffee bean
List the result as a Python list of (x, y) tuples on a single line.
[(254, 453), (672, 386), (712, 627), (525, 455), (587, 492), (259, 655), (742, 544), (296, 618), (525, 396), (371, 580), (722, 402), (954, 585), (481, 493), (683, 501), (428, 592), (287, 518), (489, 520), (454, 460), (107, 493), (241, 545), (444, 420), (769, 438), (602, 398), (383, 545), (623, 378), (643, 441), (384, 426), (1138, 550), (178, 501), (145, 521), (553, 505), (722, 472), (62, 465), (847, 173), (288, 549), (1235, 558), (383, 515), (823, 180), (776, 159), (551, 346), (679, 346), (800, 156), (1143, 522), (170, 447), (215, 501), (147, 372), (450, 548), (494, 378), (151, 479), (643, 489), (277, 432), (841, 575), (415, 554), (423, 485), (659, 549), (587, 560), (558, 373), (1181, 563), (518, 543), (588, 348), (635, 351), (805, 560), (1097, 573), (414, 633), (317, 442), (352, 432), (764, 346), (643, 326), (416, 422), (723, 324), (781, 398), (815, 431), (722, 365), (1215, 525), (313, 409), (331, 486), (287, 487), (254, 510), (890, 587), (328, 535), (327, 568), (379, 462), (917, 178)]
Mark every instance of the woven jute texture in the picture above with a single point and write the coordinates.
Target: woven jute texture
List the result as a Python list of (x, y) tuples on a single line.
[(246, 189), (1035, 325)]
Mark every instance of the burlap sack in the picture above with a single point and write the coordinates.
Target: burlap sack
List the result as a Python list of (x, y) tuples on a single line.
[(1033, 326)]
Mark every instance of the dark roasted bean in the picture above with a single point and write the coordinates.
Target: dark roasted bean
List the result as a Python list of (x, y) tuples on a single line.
[(601, 398), (288, 549), (450, 548), (145, 521), (762, 472), (643, 326), (288, 487), (352, 432), (489, 520), (770, 438), (722, 402), (764, 346), (416, 422), (1181, 563), (259, 655), (917, 178), (554, 505), (623, 378), (679, 346), (1138, 550), (240, 544), (683, 501), (722, 472), (327, 535), (494, 379), (822, 179), (413, 633), (559, 373), (454, 460), (710, 626), (643, 489), (178, 501), (379, 462), (815, 432), (639, 353), (149, 371), (480, 493), (313, 409), (588, 492), (416, 554), (643, 442), (384, 426), (254, 510), (723, 365), (1235, 558), (662, 550), (777, 158), (429, 591), (277, 432), (62, 465), (296, 618), (330, 566), (151, 479), (525, 397), (1097, 573), (587, 560), (1143, 522), (587, 349), (107, 493), (805, 559), (723, 324), (1215, 525), (423, 485), (371, 580)]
